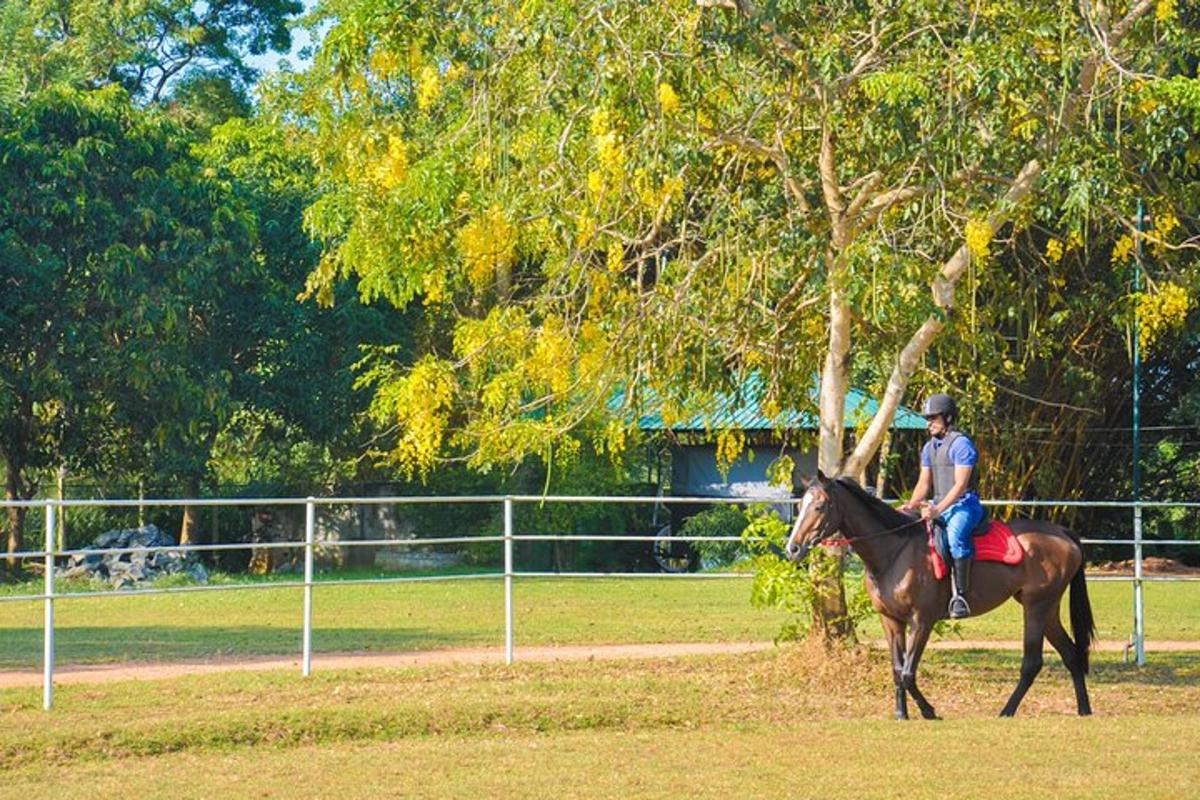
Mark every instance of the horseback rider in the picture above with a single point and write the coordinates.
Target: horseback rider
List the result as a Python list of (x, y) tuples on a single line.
[(948, 467)]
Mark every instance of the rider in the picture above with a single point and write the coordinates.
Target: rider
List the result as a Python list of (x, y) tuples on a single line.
[(948, 463)]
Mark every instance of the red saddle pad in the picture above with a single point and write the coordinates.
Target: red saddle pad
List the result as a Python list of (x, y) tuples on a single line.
[(998, 544)]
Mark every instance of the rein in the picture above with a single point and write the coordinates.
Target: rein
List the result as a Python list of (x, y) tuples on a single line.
[(842, 541)]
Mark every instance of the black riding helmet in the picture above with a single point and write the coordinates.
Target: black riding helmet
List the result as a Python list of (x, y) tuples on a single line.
[(940, 404)]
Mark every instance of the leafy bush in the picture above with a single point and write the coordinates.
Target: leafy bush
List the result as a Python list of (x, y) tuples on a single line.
[(722, 520), (795, 588)]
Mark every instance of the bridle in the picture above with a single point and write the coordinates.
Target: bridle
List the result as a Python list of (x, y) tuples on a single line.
[(842, 541), (827, 526)]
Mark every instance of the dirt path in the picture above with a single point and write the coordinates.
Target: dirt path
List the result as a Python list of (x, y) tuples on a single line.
[(107, 673)]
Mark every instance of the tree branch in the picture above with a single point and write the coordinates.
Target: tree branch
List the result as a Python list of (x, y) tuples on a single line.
[(834, 202), (943, 295)]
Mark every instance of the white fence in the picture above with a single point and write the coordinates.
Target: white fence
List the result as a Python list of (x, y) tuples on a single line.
[(508, 538)]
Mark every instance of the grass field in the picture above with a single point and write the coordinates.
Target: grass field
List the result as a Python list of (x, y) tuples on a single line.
[(423, 616), (793, 722)]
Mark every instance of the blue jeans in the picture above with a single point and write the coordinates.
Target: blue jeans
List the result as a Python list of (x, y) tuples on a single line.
[(961, 518)]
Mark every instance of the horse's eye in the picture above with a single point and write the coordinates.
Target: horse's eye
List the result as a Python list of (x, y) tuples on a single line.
[(820, 507)]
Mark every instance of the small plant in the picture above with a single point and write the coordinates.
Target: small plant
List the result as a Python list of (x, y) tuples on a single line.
[(722, 520), (778, 583)]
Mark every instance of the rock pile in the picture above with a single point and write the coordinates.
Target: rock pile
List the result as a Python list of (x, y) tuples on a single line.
[(123, 570)]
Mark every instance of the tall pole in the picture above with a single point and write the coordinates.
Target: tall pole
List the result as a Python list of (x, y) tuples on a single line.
[(508, 580), (310, 526), (1139, 615), (48, 632)]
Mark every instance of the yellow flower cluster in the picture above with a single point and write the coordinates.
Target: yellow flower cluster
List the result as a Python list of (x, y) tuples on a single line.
[(978, 234), (550, 363), (615, 258), (655, 198), (730, 444), (429, 86), (1164, 10), (780, 472), (609, 151), (391, 170), (383, 62), (488, 244), (668, 101), (585, 229), (504, 334), (1054, 251), (420, 403), (1122, 249), (1161, 311), (1165, 224)]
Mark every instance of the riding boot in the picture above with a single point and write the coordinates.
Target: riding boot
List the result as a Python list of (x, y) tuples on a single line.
[(962, 584)]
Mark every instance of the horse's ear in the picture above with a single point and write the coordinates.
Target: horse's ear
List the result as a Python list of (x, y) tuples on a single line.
[(821, 477)]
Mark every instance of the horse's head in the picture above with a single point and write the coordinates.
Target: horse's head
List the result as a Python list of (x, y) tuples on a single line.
[(819, 517)]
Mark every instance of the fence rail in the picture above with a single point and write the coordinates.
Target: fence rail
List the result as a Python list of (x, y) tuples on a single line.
[(309, 545)]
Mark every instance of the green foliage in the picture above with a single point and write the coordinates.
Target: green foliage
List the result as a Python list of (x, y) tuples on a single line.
[(108, 235), (143, 46), (660, 223), (720, 520), (796, 588)]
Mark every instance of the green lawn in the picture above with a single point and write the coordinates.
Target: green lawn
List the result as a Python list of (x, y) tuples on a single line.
[(419, 616), (791, 722)]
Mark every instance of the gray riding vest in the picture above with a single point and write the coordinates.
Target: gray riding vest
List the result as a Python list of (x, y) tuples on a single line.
[(942, 469)]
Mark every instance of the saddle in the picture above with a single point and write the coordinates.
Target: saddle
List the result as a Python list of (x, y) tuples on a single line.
[(994, 541)]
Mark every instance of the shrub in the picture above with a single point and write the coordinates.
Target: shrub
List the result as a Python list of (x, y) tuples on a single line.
[(722, 520), (779, 583)]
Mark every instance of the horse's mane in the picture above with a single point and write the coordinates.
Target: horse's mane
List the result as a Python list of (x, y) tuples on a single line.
[(883, 513)]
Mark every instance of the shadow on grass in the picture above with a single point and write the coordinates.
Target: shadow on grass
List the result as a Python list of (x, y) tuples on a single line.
[(21, 648), (1161, 669)]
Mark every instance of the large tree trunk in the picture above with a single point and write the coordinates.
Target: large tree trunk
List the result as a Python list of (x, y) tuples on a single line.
[(15, 489), (191, 531)]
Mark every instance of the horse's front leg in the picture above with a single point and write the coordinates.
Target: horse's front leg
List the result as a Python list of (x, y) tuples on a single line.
[(916, 647), (895, 638)]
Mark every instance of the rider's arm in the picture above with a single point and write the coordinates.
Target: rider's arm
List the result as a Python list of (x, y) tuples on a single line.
[(921, 490), (962, 478)]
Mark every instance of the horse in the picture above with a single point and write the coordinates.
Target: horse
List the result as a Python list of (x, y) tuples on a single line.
[(900, 580)]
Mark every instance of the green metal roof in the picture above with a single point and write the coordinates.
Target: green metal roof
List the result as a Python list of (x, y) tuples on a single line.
[(743, 411)]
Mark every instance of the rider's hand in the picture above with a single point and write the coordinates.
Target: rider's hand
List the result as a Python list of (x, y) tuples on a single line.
[(928, 511)]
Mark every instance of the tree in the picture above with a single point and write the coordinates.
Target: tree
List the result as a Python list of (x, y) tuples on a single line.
[(144, 47), (98, 201), (295, 397), (668, 198)]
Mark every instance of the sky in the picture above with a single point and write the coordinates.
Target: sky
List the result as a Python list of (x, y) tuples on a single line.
[(269, 62)]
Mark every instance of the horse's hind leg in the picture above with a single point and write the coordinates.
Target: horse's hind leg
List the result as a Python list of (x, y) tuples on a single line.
[(1066, 648), (1031, 662)]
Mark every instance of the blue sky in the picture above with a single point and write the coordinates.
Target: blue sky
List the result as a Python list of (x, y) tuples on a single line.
[(269, 62)]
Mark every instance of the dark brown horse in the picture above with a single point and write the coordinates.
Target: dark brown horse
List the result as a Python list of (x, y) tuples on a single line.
[(894, 548)]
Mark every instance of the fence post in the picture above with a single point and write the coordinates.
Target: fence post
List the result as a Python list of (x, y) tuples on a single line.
[(48, 634), (310, 520), (508, 580), (1139, 606)]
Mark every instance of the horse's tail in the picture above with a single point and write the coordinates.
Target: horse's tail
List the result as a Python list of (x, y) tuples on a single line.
[(1083, 624)]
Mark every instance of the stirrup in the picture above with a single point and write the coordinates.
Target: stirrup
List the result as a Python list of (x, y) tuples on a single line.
[(959, 608)]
